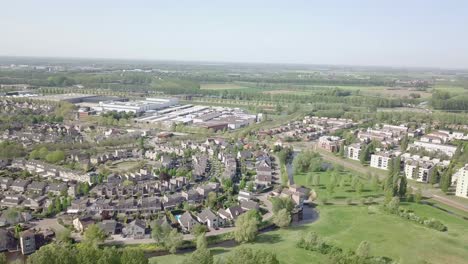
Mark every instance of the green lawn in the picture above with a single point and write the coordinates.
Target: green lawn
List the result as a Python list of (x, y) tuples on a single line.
[(389, 235), (340, 193)]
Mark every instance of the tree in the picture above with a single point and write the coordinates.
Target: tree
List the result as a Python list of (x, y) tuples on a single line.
[(404, 143), (435, 177), (394, 205), (212, 200), (55, 156), (199, 230), (246, 228), (250, 256), (284, 175), (363, 249), (279, 203), (160, 232), (173, 241), (202, 255), (94, 234), (133, 256), (418, 196), (282, 218), (64, 236), (446, 180), (375, 183), (365, 154), (53, 254), (341, 152), (359, 187), (3, 259), (109, 255), (402, 186)]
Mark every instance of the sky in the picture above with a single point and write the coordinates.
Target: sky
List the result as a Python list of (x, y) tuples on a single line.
[(400, 33)]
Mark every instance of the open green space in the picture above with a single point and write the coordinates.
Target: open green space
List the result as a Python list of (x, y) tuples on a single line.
[(347, 226), (341, 191), (124, 165)]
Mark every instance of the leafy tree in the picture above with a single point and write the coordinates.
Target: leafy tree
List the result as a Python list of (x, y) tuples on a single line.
[(279, 203), (133, 256), (249, 256), (55, 156), (53, 254), (173, 241), (418, 196), (199, 230), (394, 205), (402, 187), (202, 255), (64, 236), (87, 253), (3, 259), (246, 228), (359, 187), (160, 232), (211, 200), (94, 234), (375, 183), (446, 180), (282, 218), (109, 255)]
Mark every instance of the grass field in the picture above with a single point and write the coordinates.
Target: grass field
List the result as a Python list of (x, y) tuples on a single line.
[(221, 86), (340, 193), (124, 165), (389, 235)]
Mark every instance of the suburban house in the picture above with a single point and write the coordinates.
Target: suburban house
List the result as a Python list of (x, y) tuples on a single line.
[(264, 172), (135, 229), (210, 219), (80, 224), (7, 241), (249, 205), (110, 227), (27, 242), (187, 221)]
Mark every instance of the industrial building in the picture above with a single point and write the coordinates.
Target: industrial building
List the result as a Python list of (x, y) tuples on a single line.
[(138, 106)]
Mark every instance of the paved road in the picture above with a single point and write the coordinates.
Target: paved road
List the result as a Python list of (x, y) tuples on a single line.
[(48, 223)]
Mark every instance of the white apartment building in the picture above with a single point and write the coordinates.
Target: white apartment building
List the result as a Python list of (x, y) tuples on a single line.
[(353, 151), (424, 173), (381, 160), (447, 149), (462, 182)]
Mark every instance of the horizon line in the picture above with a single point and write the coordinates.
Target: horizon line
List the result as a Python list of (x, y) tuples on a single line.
[(148, 60)]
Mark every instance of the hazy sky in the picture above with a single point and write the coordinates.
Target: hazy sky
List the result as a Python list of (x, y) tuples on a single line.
[(374, 32)]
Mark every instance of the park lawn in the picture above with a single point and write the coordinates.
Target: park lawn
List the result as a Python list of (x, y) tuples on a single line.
[(124, 165), (340, 193), (347, 226), (221, 86)]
